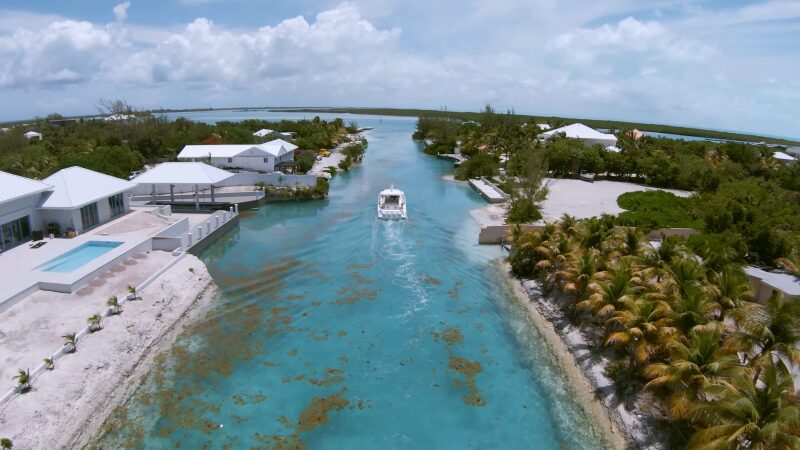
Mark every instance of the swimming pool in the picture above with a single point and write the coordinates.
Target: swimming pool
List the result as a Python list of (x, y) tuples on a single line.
[(77, 257)]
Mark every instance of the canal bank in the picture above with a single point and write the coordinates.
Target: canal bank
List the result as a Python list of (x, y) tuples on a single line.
[(333, 330)]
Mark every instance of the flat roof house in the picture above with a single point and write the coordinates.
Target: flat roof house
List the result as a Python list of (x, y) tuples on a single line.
[(260, 158), (784, 158), (589, 136), (82, 199)]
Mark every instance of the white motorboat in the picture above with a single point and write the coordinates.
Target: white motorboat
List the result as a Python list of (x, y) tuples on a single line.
[(392, 204)]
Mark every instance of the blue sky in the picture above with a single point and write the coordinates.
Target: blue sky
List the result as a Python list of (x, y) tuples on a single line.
[(718, 64)]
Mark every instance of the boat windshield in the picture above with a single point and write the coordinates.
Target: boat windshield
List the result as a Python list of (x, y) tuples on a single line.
[(390, 201)]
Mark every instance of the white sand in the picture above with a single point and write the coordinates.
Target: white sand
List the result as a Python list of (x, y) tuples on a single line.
[(577, 198), (67, 404), (583, 199)]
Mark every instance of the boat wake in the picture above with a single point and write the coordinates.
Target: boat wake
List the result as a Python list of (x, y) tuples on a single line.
[(392, 243)]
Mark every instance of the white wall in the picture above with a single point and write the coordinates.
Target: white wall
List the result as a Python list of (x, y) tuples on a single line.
[(238, 179), (71, 218), (22, 207)]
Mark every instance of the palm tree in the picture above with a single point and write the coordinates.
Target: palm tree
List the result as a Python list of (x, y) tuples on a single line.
[(691, 367), (767, 331), (6, 444), (606, 296), (132, 292), (49, 363), (23, 378), (580, 271), (684, 276), (71, 341), (730, 287), (94, 322), (114, 304), (657, 260), (789, 265), (747, 413), (641, 326), (568, 225), (693, 310)]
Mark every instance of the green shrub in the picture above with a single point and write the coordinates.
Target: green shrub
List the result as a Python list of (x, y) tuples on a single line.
[(481, 165), (657, 209)]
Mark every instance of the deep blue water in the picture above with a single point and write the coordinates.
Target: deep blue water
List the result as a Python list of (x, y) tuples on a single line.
[(404, 332)]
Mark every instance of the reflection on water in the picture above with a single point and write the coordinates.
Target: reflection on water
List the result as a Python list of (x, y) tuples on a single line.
[(334, 330)]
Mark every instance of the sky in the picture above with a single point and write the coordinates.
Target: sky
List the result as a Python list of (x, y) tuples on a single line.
[(720, 64)]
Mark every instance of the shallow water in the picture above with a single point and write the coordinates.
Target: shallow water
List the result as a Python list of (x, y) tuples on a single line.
[(333, 330)]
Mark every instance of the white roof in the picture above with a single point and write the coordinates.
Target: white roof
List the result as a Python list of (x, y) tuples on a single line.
[(74, 187), (276, 147), (391, 191), (32, 134), (543, 126), (13, 187), (579, 131), (785, 282), (183, 173), (613, 149), (263, 132), (783, 156), (116, 117)]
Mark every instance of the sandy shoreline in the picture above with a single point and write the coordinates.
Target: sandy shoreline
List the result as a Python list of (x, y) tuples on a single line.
[(582, 387), (68, 405)]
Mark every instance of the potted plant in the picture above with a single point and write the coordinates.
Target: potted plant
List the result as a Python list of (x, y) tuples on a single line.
[(113, 302), (23, 378), (49, 363), (6, 444), (71, 341), (132, 292), (94, 323)]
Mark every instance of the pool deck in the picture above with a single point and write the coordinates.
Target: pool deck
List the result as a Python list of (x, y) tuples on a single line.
[(135, 230)]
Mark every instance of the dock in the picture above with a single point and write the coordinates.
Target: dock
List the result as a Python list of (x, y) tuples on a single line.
[(488, 190), (457, 157)]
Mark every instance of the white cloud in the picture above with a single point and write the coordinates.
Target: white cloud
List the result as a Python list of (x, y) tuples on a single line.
[(628, 38), (63, 52), (121, 11), (536, 56)]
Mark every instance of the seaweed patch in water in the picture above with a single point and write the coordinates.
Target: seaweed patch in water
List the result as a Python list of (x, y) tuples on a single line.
[(469, 369), (450, 336), (316, 413)]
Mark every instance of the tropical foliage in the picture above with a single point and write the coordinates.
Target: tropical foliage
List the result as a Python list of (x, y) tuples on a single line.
[(684, 334), (120, 147)]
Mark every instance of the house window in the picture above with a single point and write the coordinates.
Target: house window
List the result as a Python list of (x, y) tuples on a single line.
[(15, 232), (89, 216), (117, 205), (230, 160), (266, 160)]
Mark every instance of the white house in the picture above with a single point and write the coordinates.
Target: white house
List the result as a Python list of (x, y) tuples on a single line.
[(589, 136), (784, 158), (263, 132), (260, 157), (18, 214), (82, 199), (33, 135), (73, 198), (544, 126)]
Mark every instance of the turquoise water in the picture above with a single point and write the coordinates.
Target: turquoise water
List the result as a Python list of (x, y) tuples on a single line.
[(79, 256), (335, 331)]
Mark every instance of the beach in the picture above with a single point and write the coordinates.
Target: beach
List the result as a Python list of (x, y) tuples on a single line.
[(67, 405)]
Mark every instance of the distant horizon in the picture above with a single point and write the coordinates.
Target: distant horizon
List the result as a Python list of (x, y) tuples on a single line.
[(283, 107), (722, 65)]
